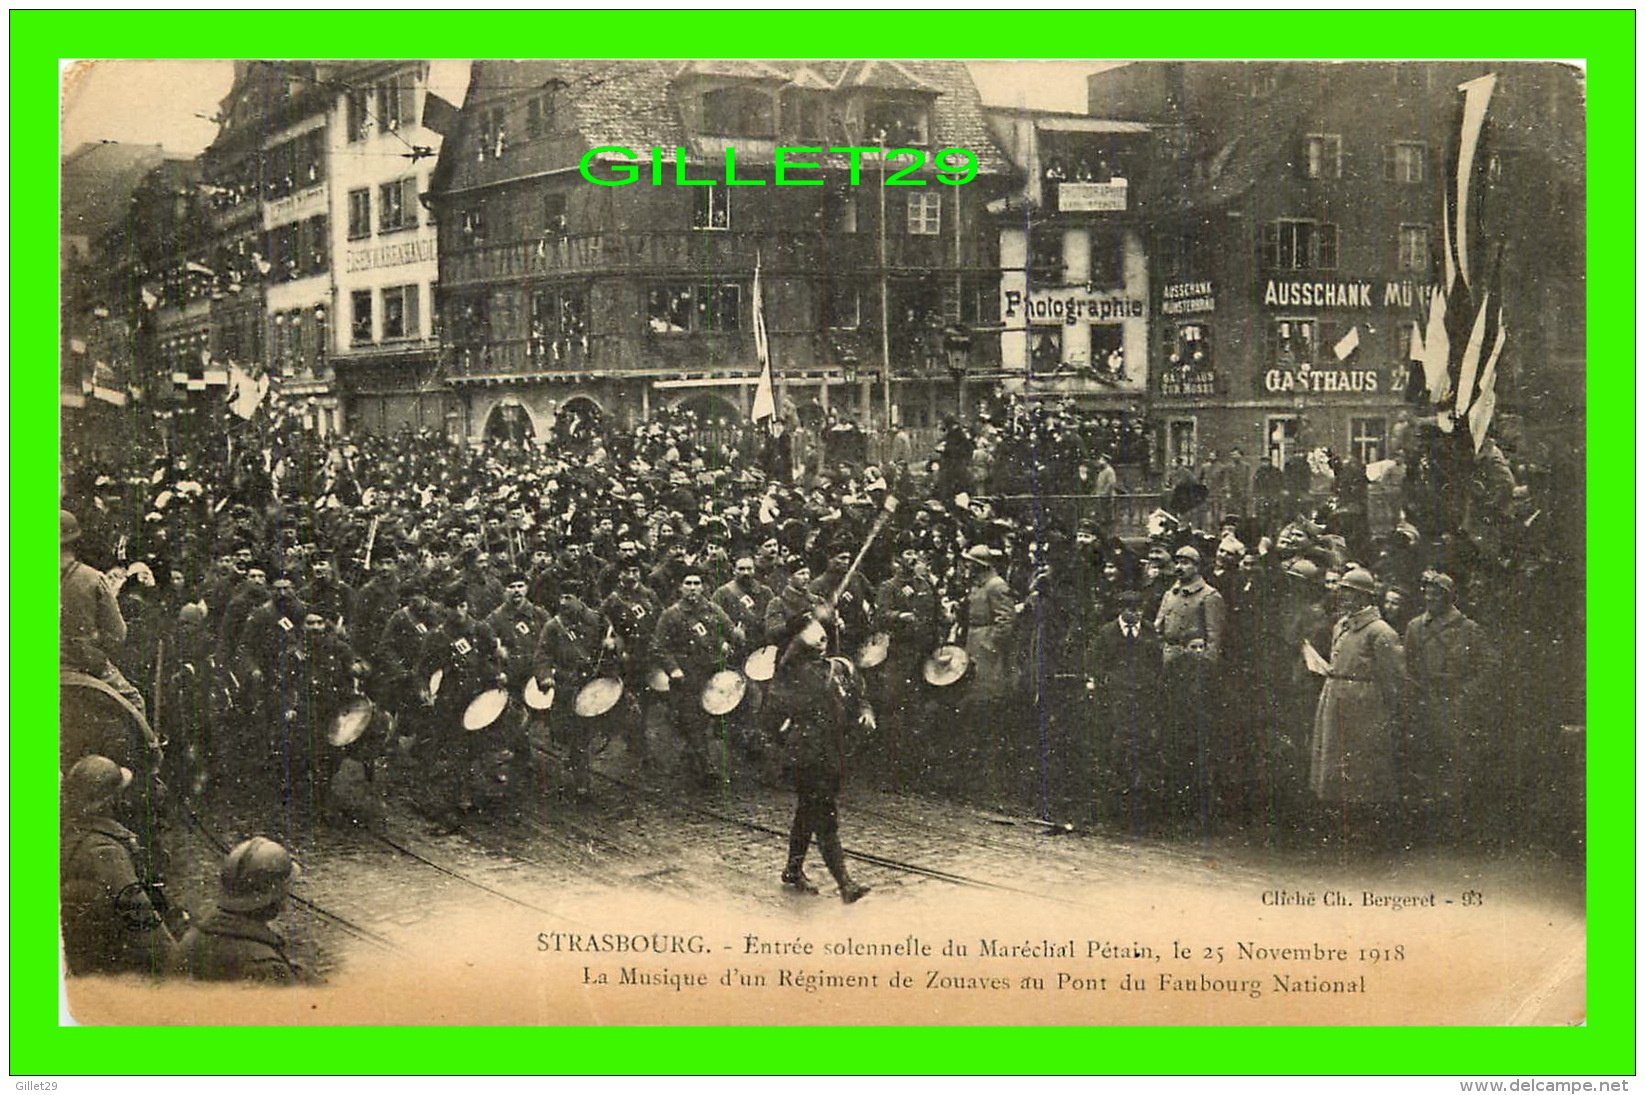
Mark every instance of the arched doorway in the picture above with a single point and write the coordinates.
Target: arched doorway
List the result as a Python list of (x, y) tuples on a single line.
[(579, 421), (509, 421), (714, 419)]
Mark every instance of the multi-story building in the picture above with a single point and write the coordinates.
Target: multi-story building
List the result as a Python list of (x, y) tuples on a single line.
[(1074, 283), (558, 292), (381, 155), (1297, 229)]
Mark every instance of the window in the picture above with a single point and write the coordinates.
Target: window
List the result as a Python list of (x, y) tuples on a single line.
[(1406, 162), (1179, 254), (473, 226), (539, 116), (896, 122), (1299, 245), (739, 112), (1368, 439), (678, 309), (493, 141), (359, 213), (1264, 82), (979, 304), (361, 330), (925, 214), (1108, 350), (401, 317), (1045, 266), (359, 114), (1180, 443), (316, 239), (1324, 156), (843, 307), (394, 106), (840, 211), (1045, 350), (1191, 349), (1107, 259), (1282, 432), (559, 324), (712, 212), (805, 116), (397, 205), (1414, 252), (554, 214), (1292, 341)]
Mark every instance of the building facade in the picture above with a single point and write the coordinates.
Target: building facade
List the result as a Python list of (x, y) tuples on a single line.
[(1297, 230), (382, 154), (1075, 305), (557, 292)]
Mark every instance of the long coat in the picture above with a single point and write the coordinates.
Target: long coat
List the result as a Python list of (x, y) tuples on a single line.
[(1354, 747), (991, 615)]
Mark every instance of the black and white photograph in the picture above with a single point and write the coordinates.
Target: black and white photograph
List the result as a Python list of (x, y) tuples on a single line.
[(823, 542)]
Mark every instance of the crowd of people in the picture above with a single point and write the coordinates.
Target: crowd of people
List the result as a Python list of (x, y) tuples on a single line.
[(301, 617)]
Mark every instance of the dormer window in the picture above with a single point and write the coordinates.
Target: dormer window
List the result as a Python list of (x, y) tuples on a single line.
[(897, 121), (738, 112)]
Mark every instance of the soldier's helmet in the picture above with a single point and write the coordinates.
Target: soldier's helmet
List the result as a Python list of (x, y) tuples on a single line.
[(256, 874), (93, 781)]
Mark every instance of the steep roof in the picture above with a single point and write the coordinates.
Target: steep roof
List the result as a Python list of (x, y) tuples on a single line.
[(98, 181), (637, 104)]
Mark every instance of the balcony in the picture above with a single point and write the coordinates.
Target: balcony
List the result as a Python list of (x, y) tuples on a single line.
[(517, 358), (672, 252)]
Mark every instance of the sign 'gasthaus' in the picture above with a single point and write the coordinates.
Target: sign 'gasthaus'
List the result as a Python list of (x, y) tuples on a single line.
[(614, 165)]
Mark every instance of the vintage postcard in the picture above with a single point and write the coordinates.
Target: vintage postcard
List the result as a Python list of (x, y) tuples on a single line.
[(878, 542)]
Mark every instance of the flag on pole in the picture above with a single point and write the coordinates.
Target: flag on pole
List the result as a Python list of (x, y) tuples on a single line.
[(1347, 344), (245, 392), (765, 399)]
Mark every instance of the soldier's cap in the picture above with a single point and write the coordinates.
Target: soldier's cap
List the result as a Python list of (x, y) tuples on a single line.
[(1360, 579), (514, 577), (94, 779), (1440, 580), (1129, 596), (980, 553), (1302, 568)]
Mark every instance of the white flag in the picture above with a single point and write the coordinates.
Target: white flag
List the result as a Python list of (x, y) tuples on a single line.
[(765, 401), (1348, 343)]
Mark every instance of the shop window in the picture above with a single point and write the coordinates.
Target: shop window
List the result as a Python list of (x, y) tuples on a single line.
[(360, 331), (712, 212), (1406, 162), (397, 205), (1415, 249), (401, 317), (1322, 156), (924, 214), (1368, 439), (1299, 245), (359, 213)]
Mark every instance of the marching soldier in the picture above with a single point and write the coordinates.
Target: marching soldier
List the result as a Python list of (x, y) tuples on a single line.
[(632, 611), (693, 639), (569, 650)]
